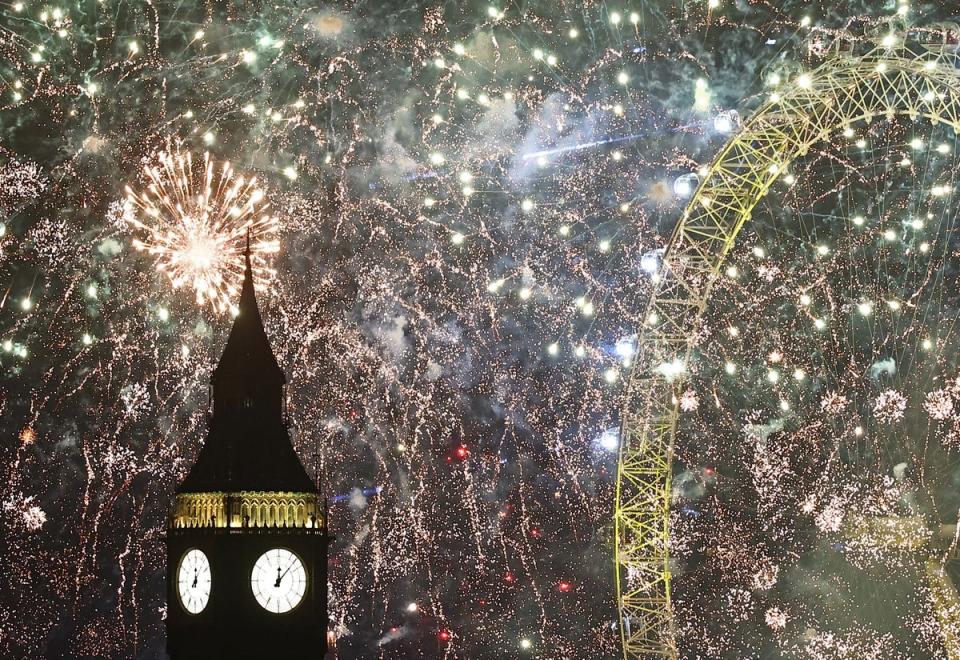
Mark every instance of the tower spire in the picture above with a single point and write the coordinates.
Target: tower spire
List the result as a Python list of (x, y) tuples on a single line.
[(249, 446), (248, 271), (248, 301)]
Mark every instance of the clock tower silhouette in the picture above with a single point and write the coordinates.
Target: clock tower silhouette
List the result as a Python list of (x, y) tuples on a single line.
[(247, 534)]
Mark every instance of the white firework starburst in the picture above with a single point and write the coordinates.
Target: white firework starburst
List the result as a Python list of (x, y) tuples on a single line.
[(889, 406), (195, 218), (939, 404)]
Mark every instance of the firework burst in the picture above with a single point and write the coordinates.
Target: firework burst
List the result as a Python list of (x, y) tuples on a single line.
[(194, 219)]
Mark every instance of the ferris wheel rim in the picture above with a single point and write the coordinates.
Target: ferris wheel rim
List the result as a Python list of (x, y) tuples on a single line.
[(887, 81)]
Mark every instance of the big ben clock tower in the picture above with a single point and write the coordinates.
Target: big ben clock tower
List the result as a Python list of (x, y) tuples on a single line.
[(247, 536)]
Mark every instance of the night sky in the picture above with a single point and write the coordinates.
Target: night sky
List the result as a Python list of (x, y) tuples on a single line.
[(455, 212)]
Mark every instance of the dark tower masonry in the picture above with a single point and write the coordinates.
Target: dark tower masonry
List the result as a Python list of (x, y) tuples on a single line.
[(247, 535)]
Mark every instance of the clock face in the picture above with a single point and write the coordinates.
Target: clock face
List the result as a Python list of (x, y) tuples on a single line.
[(279, 580), (193, 581)]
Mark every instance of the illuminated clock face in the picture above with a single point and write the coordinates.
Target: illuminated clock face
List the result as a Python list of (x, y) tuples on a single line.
[(279, 580), (193, 581)]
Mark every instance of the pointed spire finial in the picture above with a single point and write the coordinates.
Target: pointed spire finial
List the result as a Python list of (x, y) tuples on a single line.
[(246, 256), (248, 303)]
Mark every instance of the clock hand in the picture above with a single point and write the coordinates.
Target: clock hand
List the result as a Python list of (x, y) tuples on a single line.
[(194, 579), (294, 561), (279, 577)]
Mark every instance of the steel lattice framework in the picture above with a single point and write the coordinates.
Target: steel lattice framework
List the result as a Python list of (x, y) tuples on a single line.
[(919, 82)]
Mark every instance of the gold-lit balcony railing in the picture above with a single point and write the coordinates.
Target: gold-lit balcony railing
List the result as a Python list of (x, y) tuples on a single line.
[(247, 509)]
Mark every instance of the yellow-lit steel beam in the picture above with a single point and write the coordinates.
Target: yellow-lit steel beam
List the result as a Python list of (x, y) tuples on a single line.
[(920, 83)]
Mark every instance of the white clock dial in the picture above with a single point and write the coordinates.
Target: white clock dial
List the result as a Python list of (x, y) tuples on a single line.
[(193, 581), (279, 580)]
